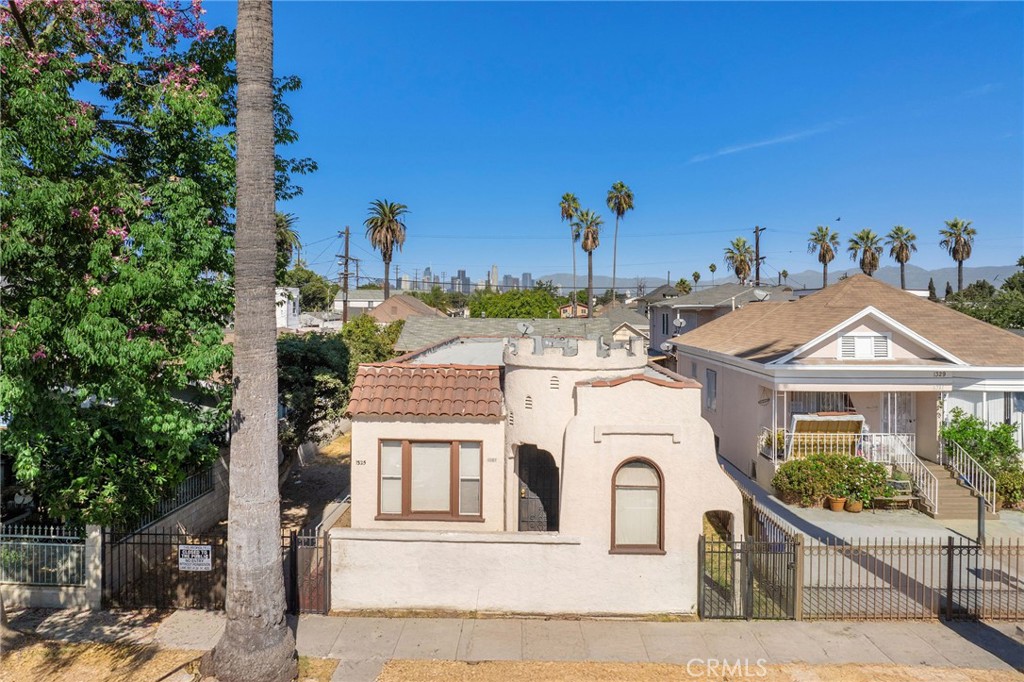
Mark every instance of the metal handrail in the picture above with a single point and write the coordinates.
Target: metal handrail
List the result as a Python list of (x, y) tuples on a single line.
[(969, 471), (899, 454)]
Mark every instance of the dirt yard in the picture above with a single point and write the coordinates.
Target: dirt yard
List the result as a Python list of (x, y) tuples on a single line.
[(62, 662), (536, 671), (310, 488)]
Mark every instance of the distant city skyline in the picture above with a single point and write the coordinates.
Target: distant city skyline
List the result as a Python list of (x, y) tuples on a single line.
[(719, 116)]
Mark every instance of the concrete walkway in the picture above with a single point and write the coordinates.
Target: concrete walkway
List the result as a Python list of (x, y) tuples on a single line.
[(363, 645)]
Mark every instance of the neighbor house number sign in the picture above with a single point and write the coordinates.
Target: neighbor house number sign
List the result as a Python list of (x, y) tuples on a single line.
[(195, 557)]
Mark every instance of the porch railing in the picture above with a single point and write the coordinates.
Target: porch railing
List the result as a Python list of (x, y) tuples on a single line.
[(969, 471), (896, 449)]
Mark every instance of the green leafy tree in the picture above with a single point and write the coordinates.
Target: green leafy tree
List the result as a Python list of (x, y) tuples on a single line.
[(696, 277), (115, 253), (932, 294), (589, 225), (684, 286), (570, 207), (901, 243), (312, 382), (385, 228), (316, 292), (865, 245), (823, 241), (620, 200), (785, 276), (739, 256), (368, 342), (949, 290), (527, 303), (958, 238), (712, 269)]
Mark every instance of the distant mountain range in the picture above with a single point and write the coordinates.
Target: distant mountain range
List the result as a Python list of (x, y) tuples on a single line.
[(917, 278)]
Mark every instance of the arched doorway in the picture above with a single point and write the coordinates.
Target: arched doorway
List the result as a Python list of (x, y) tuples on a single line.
[(538, 489)]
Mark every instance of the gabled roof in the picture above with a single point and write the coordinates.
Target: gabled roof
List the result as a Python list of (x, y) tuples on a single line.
[(664, 291), (402, 307), (724, 295), (361, 295), (421, 332), (770, 330), (619, 315), (396, 390)]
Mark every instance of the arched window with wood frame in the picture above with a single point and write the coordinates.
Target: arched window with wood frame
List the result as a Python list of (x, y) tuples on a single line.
[(638, 525)]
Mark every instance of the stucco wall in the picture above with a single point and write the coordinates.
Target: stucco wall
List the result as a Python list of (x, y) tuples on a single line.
[(367, 432), (572, 571), (901, 346)]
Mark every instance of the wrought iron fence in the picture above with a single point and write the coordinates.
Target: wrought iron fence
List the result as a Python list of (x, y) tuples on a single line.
[(189, 490), (42, 555)]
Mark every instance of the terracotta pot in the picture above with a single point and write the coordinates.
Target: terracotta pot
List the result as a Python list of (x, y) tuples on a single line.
[(836, 503), (855, 506)]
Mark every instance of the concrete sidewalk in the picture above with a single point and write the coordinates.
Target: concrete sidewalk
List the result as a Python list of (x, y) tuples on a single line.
[(363, 645)]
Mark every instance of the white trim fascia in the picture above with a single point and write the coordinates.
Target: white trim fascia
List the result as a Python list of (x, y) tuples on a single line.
[(726, 360), (881, 317)]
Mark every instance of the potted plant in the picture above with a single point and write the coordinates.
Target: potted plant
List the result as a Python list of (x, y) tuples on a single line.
[(854, 505)]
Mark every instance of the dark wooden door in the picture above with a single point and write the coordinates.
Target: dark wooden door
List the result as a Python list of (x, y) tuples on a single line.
[(538, 490)]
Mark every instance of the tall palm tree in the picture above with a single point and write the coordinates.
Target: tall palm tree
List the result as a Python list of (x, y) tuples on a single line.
[(867, 246), (570, 206), (589, 225), (957, 238), (901, 244), (785, 276), (823, 241), (386, 230), (712, 269), (696, 277), (257, 643), (738, 257), (620, 200)]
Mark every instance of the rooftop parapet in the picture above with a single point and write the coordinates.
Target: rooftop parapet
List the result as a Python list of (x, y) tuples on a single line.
[(574, 353)]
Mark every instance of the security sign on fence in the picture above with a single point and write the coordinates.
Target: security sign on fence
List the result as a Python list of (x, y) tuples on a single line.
[(195, 557)]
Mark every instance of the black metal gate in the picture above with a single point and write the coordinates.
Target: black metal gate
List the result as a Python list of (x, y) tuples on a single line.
[(538, 490), (747, 579), (307, 571), (164, 569)]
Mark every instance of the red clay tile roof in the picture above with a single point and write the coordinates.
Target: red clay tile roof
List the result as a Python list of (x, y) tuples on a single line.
[(683, 382), (393, 390)]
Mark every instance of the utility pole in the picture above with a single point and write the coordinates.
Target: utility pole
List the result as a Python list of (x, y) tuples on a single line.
[(416, 279), (757, 253), (344, 278), (398, 277)]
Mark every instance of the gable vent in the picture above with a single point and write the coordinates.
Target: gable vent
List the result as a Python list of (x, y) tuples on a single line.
[(881, 346), (864, 347), (554, 383), (529, 402)]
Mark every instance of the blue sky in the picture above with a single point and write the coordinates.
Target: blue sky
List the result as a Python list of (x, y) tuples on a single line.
[(721, 116)]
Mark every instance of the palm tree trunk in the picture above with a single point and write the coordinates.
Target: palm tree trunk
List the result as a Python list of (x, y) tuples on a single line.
[(615, 253), (590, 283), (959, 275), (903, 275), (572, 291), (257, 643), (387, 278), (824, 275)]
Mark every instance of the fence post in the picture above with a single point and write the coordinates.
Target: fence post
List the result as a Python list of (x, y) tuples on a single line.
[(700, 575), (326, 563), (747, 553), (949, 578), (798, 577), (94, 567), (293, 566)]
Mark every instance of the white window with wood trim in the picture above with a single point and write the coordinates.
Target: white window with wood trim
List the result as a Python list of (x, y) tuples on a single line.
[(637, 511), (430, 480), (865, 346)]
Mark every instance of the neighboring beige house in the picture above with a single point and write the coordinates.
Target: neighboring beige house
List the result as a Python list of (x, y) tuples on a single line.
[(565, 311), (289, 315), (360, 301), (861, 350), (567, 477), (625, 322), (402, 307)]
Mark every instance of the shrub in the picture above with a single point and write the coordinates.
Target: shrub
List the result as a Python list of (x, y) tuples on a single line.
[(1010, 488), (809, 480), (993, 446)]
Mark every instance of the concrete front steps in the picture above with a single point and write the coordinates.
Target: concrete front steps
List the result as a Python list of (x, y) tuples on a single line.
[(956, 501)]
